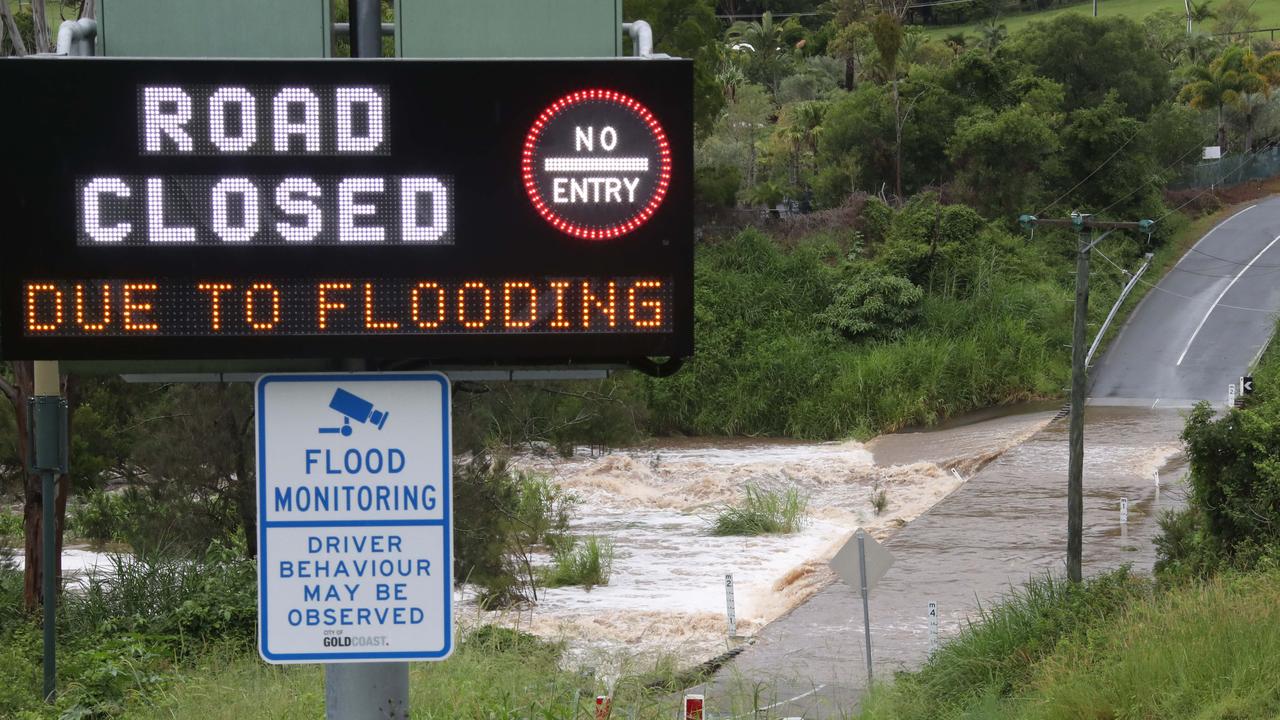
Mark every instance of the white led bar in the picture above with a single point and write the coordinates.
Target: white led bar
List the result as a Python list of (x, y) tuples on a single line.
[(597, 164)]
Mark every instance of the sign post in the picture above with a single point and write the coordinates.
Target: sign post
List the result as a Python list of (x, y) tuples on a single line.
[(861, 563), (355, 528)]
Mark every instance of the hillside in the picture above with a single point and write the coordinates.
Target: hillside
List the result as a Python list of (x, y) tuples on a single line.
[(1269, 12)]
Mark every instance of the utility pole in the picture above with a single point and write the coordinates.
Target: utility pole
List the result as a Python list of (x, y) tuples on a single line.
[(1084, 225)]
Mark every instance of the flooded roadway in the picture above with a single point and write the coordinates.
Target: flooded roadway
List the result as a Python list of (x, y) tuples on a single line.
[(1003, 526)]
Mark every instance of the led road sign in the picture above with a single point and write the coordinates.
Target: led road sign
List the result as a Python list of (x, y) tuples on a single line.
[(441, 211)]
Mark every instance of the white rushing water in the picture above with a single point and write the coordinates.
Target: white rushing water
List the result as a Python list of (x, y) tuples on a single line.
[(666, 595)]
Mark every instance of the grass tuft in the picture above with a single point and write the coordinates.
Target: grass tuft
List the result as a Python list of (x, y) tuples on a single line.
[(879, 499), (763, 512), (588, 563)]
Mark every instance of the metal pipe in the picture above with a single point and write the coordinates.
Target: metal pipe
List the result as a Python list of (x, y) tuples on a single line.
[(75, 37), (366, 28), (1097, 340), (388, 29), (641, 37)]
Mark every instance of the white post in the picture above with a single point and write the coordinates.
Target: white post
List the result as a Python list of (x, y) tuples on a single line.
[(728, 601), (1124, 510), (1231, 395), (933, 627)]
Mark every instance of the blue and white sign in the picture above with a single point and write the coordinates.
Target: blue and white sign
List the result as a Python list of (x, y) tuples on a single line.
[(355, 524)]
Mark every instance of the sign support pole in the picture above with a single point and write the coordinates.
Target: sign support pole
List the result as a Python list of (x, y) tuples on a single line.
[(366, 691), (866, 601), (48, 457)]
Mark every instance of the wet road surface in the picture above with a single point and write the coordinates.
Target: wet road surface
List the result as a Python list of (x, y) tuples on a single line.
[(1005, 525)]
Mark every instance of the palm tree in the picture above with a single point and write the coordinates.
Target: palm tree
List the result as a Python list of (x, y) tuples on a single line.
[(991, 35), (1259, 76), (764, 40), (1216, 85), (1197, 13), (956, 41)]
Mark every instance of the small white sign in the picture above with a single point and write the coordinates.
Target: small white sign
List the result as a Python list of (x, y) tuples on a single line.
[(1212, 152), (355, 524)]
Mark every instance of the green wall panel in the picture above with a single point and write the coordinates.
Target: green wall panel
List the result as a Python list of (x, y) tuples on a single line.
[(214, 28), (509, 28)]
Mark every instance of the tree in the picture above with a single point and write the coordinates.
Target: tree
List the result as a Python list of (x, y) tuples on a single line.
[(874, 304), (990, 36), (1215, 85), (989, 148), (16, 388), (1092, 57), (851, 44), (1259, 76), (1235, 17), (762, 41), (198, 468), (886, 32), (688, 29)]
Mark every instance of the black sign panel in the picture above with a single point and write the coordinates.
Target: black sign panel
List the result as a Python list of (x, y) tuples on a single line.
[(445, 211)]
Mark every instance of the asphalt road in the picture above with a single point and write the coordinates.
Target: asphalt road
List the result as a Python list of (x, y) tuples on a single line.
[(1204, 323), (1193, 334)]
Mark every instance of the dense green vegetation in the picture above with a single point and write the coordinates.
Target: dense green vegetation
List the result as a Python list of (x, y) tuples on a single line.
[(981, 18)]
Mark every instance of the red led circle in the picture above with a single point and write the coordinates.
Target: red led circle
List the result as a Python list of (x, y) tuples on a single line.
[(579, 229)]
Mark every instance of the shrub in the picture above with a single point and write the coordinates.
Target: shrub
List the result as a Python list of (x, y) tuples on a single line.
[(501, 517), (874, 304), (717, 185), (763, 512), (10, 525), (213, 597), (99, 517), (588, 563)]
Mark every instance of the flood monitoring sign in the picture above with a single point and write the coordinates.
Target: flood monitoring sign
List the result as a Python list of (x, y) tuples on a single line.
[(354, 518), (442, 210)]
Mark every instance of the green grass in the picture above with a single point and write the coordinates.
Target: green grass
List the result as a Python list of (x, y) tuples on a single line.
[(493, 674), (763, 512), (1136, 9), (587, 563), (1113, 648), (10, 525)]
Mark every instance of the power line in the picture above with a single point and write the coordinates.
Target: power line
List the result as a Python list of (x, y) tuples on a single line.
[(1095, 171), (1188, 297), (1183, 156)]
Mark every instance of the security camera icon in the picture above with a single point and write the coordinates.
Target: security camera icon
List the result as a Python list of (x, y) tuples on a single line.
[(353, 407)]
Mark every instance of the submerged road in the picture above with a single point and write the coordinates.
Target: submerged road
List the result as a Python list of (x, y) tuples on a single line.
[(1196, 331)]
